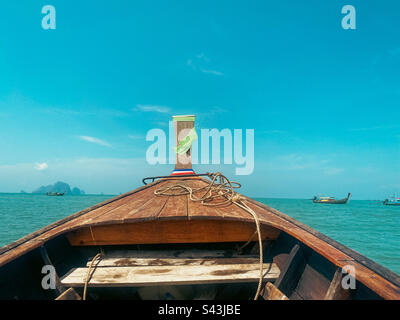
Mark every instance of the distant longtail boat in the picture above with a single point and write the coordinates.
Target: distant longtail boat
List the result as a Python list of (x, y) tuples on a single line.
[(392, 201), (187, 236), (55, 193), (331, 200)]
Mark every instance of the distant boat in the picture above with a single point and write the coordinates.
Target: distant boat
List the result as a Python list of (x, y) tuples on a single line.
[(55, 193), (331, 200), (392, 201)]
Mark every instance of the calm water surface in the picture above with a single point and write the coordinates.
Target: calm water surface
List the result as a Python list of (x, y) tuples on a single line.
[(365, 226), (21, 214)]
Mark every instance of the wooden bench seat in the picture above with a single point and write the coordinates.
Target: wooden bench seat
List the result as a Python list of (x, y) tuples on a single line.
[(273, 293), (137, 272)]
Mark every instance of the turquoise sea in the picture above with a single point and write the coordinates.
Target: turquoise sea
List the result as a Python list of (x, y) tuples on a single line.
[(368, 227), (21, 214)]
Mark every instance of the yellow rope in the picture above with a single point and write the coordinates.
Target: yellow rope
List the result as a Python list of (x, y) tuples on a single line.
[(244, 206), (223, 191), (216, 194), (88, 274)]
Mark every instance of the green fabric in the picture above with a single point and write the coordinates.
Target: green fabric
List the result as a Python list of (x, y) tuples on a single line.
[(183, 118), (186, 143)]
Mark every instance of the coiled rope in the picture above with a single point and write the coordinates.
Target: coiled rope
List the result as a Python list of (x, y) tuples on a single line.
[(217, 194), (88, 275)]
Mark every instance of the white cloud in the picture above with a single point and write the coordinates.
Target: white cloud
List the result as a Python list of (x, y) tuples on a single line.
[(41, 166), (215, 72), (152, 108), (95, 140), (201, 63), (135, 136), (333, 171), (202, 56), (373, 128)]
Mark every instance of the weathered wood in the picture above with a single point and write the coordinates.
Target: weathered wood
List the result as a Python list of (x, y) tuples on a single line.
[(292, 271), (182, 254), (336, 290), (312, 284), (169, 275), (149, 211), (69, 294), (315, 278), (126, 209), (175, 208), (226, 211), (198, 211), (168, 231), (130, 262), (182, 128), (273, 293)]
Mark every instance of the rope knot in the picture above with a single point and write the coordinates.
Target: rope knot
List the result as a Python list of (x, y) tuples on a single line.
[(236, 198)]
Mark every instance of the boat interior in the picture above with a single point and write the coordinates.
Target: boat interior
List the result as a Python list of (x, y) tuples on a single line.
[(169, 260)]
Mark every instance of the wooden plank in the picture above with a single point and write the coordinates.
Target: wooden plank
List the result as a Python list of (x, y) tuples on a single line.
[(19, 251), (182, 254), (335, 290), (312, 284), (169, 275), (168, 231), (196, 210), (292, 271), (175, 208), (273, 293), (130, 262), (118, 213), (183, 161), (315, 279), (232, 211), (69, 294), (149, 211)]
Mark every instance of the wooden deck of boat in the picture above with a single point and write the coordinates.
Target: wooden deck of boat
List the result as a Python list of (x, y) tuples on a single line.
[(142, 205)]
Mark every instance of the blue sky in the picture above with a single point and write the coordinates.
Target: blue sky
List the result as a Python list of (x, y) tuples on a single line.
[(323, 101)]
